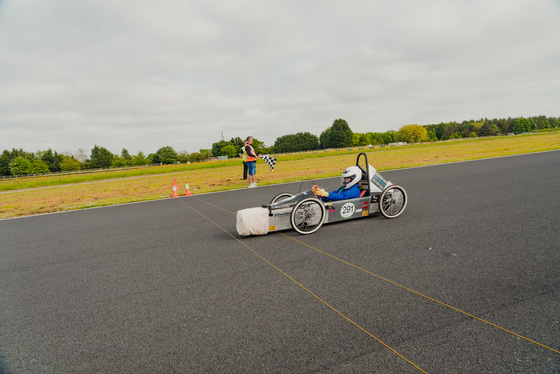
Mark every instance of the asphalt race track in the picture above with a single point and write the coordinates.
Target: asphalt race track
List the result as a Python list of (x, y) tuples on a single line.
[(467, 280)]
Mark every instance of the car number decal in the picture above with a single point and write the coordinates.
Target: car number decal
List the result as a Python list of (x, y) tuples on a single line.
[(347, 210)]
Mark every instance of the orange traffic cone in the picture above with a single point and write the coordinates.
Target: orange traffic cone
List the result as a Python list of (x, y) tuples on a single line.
[(174, 194), (187, 190)]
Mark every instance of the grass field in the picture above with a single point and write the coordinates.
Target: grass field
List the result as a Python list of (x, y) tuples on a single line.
[(32, 196)]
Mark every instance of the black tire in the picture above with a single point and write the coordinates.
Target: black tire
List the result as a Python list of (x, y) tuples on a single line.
[(308, 215), (393, 201), (281, 196)]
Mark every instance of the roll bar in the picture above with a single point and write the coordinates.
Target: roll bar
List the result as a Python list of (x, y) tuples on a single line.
[(366, 171)]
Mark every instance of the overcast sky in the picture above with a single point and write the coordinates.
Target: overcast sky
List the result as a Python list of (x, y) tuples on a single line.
[(142, 75)]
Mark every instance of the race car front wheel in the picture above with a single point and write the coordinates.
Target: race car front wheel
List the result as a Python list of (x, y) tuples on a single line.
[(308, 215), (393, 201)]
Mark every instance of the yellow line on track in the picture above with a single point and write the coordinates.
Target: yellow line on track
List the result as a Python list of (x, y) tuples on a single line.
[(300, 285), (403, 287), (421, 294)]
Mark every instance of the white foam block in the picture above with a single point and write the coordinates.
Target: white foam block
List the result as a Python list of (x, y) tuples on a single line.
[(252, 221)]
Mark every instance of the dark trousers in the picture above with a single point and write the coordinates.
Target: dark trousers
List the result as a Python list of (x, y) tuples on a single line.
[(244, 170)]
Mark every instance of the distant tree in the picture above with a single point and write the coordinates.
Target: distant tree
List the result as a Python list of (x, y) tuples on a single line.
[(183, 157), (196, 157), (488, 130), (237, 142), (40, 167), (440, 131), (69, 163), (521, 125), (230, 150), (508, 125), (359, 139), (302, 141), (389, 137), (5, 160), (166, 155), (100, 158), (204, 153), (339, 135), (324, 138), (125, 159), (472, 127), (16, 153), (376, 138), (541, 122), (119, 162), (412, 134), (217, 148), (126, 156), (52, 160), (432, 136), (140, 159), (445, 130), (369, 138), (20, 165)]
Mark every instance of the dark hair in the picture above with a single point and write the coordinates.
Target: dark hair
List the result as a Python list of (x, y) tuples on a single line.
[(249, 137)]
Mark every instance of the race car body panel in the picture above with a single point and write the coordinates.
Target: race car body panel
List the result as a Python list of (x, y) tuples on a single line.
[(347, 209)]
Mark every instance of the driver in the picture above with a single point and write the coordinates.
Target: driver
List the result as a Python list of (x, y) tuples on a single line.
[(349, 190)]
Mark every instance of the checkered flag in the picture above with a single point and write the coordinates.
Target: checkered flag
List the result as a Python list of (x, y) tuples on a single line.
[(271, 161)]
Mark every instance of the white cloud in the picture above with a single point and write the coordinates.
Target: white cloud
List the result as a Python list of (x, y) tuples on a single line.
[(142, 75)]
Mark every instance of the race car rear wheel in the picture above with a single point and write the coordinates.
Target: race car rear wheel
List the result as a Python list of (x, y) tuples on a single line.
[(393, 201), (308, 215), (281, 196)]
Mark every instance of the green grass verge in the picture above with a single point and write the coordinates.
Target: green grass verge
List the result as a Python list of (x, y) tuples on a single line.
[(57, 193)]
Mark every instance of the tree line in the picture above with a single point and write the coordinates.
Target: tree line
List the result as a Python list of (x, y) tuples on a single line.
[(338, 135)]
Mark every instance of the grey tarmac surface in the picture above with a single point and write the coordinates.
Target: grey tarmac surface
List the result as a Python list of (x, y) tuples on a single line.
[(467, 280)]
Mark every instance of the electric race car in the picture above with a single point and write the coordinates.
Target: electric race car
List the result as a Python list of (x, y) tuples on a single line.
[(306, 213)]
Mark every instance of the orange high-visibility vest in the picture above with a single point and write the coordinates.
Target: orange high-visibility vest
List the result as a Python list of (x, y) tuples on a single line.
[(249, 157)]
